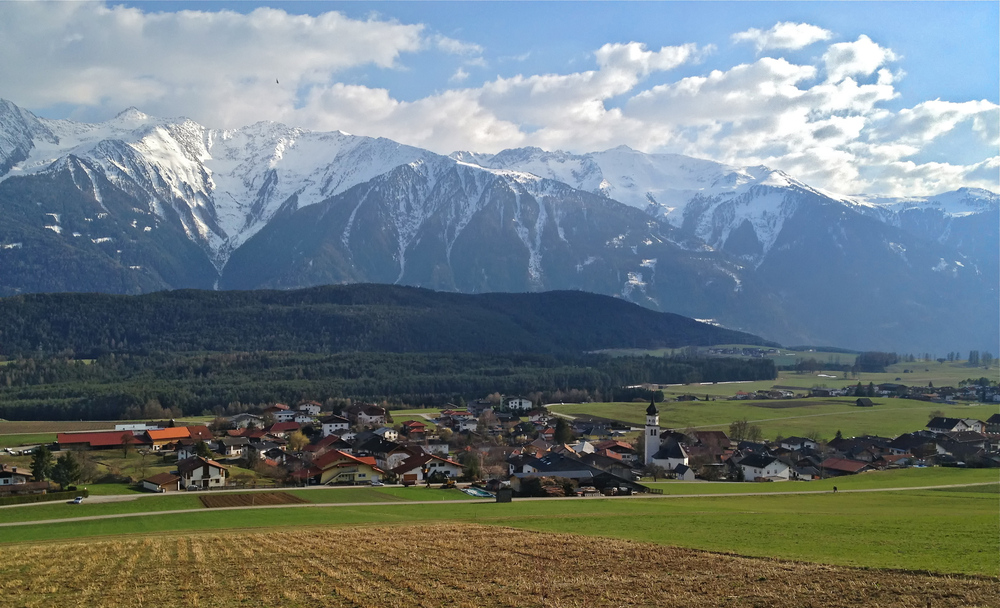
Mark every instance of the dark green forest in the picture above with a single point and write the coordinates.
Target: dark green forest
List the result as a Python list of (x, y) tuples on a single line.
[(117, 386), (344, 318), (92, 356)]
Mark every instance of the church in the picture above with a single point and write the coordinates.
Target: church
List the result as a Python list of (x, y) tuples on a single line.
[(668, 454)]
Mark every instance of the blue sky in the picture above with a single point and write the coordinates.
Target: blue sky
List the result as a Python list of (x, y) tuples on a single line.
[(897, 98)]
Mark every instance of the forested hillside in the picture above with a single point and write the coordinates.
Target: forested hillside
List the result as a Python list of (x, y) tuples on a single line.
[(371, 318)]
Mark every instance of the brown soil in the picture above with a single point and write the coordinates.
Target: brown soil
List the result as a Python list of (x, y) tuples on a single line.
[(249, 500), (443, 565)]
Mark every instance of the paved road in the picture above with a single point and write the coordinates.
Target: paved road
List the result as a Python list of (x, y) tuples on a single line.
[(477, 501)]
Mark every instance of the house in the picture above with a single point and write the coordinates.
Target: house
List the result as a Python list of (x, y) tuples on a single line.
[(610, 462), (684, 472), (539, 416), (941, 424), (387, 433), (232, 446), (336, 467), (798, 443), (310, 408), (422, 466), (371, 415), (835, 467), (284, 415), (283, 429), (864, 402), (334, 425), (992, 424), (10, 476), (202, 473), (570, 467), (277, 407), (162, 482), (762, 467), (518, 404), (242, 421), (625, 451), (414, 430), (158, 438)]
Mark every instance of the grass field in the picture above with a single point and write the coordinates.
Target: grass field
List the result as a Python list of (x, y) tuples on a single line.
[(366, 568), (940, 530), (9, 441), (793, 417)]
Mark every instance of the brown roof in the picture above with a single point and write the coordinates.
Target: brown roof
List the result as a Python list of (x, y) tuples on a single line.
[(190, 464), (844, 464), (162, 479)]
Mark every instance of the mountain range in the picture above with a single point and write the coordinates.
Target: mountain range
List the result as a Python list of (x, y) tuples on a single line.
[(139, 204)]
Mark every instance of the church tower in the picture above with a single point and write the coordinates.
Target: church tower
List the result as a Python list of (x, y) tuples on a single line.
[(652, 432)]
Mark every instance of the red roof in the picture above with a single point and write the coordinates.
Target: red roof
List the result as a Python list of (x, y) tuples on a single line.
[(284, 427), (411, 424), (200, 431), (107, 439), (845, 465)]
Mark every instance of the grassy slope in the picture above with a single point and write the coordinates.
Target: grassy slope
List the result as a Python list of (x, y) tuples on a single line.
[(891, 417), (942, 531)]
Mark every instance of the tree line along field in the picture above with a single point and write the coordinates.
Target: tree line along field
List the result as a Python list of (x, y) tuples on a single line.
[(787, 417), (443, 565)]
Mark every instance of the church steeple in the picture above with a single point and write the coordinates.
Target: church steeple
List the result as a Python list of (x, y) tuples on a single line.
[(652, 433)]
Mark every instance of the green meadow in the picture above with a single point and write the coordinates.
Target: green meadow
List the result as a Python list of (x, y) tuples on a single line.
[(948, 531), (788, 417)]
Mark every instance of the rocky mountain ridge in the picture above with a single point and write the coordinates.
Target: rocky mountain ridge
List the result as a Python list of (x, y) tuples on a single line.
[(137, 204)]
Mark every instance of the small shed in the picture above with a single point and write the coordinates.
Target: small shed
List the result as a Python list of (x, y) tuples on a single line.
[(864, 402), (505, 494)]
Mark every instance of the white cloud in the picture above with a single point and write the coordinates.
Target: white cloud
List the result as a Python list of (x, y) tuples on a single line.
[(825, 121), (859, 58), (202, 64), (784, 35)]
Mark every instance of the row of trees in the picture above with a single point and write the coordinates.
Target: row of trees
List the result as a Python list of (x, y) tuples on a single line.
[(164, 386), (65, 471)]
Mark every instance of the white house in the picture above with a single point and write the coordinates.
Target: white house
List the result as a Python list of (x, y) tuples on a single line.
[(202, 473), (519, 404), (310, 407), (387, 433), (798, 443), (670, 455), (335, 425), (10, 476), (303, 418), (420, 468), (757, 466), (284, 415), (371, 415)]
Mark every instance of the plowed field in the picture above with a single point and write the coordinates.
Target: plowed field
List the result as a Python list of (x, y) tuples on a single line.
[(251, 499), (443, 565)]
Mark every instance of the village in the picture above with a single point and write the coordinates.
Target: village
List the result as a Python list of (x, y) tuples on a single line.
[(509, 445)]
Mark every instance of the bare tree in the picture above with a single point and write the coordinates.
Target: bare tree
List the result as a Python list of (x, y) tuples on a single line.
[(744, 430)]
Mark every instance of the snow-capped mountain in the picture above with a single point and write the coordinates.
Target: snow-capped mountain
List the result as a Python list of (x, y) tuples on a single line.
[(139, 203), (224, 184)]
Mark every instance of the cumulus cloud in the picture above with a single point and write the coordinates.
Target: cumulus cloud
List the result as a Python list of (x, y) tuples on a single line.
[(825, 121), (859, 58), (198, 63), (784, 35)]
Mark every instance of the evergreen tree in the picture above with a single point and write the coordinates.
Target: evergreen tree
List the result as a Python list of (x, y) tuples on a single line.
[(202, 449), (563, 432), (41, 463), (67, 470)]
